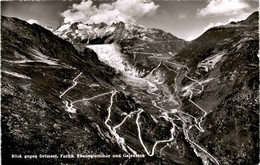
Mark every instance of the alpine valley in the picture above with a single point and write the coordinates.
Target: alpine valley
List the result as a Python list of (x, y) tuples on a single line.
[(139, 94)]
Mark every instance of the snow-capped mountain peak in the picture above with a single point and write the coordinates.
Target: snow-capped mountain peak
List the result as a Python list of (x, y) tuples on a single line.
[(85, 33)]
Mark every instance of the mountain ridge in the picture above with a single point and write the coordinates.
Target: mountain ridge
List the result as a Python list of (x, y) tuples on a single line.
[(102, 30)]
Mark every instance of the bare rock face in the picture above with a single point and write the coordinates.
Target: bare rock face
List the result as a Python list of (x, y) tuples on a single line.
[(157, 96)]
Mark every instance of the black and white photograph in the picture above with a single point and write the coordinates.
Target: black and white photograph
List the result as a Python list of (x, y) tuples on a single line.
[(130, 82)]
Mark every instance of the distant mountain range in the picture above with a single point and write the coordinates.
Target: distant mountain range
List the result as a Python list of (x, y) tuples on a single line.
[(140, 46), (125, 89)]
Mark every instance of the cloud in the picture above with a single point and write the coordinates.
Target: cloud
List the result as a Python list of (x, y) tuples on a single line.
[(32, 21), (210, 25), (190, 38), (224, 7), (182, 16), (121, 10)]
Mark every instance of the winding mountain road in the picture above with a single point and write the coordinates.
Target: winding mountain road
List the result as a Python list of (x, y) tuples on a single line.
[(153, 88)]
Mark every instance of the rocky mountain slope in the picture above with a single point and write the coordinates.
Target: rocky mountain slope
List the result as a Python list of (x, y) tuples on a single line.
[(57, 100), (228, 56), (185, 104), (37, 67)]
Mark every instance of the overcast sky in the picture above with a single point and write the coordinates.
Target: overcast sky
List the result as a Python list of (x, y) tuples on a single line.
[(186, 19)]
